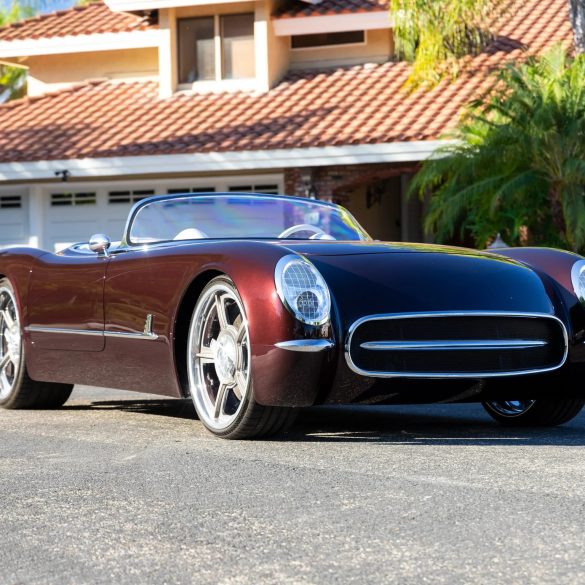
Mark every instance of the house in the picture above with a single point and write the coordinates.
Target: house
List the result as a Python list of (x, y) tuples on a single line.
[(133, 97)]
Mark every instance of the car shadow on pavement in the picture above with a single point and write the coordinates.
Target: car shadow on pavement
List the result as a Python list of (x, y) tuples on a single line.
[(161, 407), (455, 424), (424, 425)]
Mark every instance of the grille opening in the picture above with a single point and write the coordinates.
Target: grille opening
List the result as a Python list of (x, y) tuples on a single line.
[(550, 353)]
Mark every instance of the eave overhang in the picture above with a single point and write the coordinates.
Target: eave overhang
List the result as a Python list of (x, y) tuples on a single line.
[(304, 25), (80, 44), (138, 5), (393, 152)]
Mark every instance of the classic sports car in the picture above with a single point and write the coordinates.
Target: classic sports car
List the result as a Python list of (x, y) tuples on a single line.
[(255, 305)]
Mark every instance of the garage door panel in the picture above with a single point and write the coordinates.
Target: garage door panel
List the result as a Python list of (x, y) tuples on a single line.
[(73, 212), (14, 225), (115, 228)]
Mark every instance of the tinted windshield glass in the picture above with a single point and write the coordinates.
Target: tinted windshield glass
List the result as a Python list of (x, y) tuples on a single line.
[(226, 216)]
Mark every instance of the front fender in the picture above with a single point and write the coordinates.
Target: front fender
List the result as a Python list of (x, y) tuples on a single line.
[(554, 268)]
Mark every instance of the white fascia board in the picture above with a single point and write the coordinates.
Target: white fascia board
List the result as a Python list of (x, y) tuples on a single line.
[(80, 43), (132, 5), (253, 160), (306, 25)]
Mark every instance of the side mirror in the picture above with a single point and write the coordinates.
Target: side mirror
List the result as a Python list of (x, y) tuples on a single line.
[(100, 243)]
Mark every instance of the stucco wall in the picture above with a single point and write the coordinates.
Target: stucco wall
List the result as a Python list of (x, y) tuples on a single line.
[(50, 72)]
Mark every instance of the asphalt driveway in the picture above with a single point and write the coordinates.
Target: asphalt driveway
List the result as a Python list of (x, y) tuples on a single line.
[(122, 488)]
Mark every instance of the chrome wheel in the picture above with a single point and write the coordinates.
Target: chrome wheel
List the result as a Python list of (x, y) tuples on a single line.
[(511, 408), (10, 343), (219, 356)]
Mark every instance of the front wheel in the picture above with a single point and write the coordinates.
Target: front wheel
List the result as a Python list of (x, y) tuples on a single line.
[(219, 368), (17, 389), (534, 413)]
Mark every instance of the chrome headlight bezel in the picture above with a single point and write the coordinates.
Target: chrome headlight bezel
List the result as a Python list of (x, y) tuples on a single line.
[(578, 279), (319, 289)]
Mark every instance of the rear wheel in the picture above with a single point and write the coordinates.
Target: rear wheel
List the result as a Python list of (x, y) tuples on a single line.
[(17, 390), (219, 367), (544, 413)]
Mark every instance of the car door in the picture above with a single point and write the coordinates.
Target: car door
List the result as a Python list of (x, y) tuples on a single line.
[(66, 302)]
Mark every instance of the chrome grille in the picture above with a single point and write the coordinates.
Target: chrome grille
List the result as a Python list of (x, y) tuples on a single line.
[(456, 345)]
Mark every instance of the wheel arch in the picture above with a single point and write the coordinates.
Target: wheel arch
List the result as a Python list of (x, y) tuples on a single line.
[(183, 321)]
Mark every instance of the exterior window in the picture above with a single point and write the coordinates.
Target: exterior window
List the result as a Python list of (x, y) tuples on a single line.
[(201, 40), (328, 39), (271, 189), (10, 202), (237, 46), (181, 190), (128, 196), (196, 49), (72, 199)]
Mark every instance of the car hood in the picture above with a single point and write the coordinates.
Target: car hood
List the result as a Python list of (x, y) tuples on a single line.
[(431, 281), (328, 248)]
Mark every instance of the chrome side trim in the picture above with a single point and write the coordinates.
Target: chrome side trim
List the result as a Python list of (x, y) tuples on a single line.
[(449, 345), (89, 332), (439, 314), (122, 335), (306, 345)]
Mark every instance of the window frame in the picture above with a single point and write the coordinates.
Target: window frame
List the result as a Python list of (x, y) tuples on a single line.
[(178, 46), (328, 47), (219, 56)]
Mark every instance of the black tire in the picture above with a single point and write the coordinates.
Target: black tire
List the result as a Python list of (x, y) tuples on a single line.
[(207, 375), (17, 389), (535, 413)]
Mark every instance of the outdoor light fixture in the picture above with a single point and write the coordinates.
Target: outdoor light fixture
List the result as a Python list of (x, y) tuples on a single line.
[(64, 174)]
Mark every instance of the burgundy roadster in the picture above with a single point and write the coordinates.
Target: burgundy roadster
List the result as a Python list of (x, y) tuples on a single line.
[(255, 305)]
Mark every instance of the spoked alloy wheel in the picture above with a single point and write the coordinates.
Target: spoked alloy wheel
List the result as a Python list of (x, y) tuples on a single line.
[(10, 343), (541, 412), (220, 356), (219, 367)]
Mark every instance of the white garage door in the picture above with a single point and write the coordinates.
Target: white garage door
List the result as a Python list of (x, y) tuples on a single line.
[(73, 212), (74, 215), (13, 219)]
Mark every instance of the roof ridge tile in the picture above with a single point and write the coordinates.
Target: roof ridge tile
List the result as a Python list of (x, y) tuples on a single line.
[(73, 88), (92, 18), (363, 104), (52, 14)]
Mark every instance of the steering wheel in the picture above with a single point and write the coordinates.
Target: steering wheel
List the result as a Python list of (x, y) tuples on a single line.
[(302, 227)]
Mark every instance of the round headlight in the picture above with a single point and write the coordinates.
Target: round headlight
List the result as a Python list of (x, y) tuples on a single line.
[(302, 290), (578, 279)]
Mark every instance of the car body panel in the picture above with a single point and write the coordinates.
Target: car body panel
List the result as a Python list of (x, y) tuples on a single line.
[(129, 312), (67, 293)]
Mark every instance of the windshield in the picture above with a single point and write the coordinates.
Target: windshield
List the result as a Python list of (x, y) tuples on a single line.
[(192, 217)]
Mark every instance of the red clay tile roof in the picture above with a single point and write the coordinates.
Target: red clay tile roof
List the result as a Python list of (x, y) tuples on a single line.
[(356, 105), (79, 20), (329, 7)]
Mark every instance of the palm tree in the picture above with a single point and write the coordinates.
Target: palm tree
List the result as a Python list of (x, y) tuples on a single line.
[(435, 34), (518, 159), (13, 79)]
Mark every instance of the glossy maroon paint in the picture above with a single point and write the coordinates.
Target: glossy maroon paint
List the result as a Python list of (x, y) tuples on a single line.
[(115, 295), (556, 263), (156, 282), (67, 293)]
